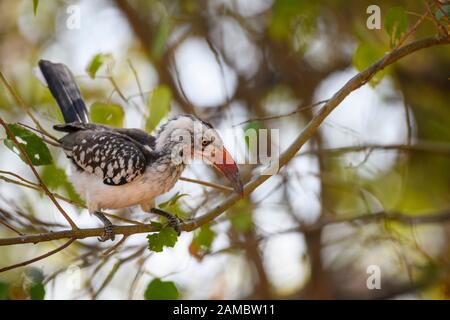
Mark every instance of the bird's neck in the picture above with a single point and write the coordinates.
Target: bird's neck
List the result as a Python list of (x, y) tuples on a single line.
[(162, 144), (166, 154), (166, 169), (168, 147)]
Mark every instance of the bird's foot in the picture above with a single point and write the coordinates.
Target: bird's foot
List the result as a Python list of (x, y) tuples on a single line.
[(172, 220), (109, 228), (175, 223), (109, 234)]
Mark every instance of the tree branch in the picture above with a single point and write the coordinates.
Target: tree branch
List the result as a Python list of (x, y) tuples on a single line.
[(380, 215), (36, 174), (46, 255), (441, 149), (356, 82), (353, 84), (188, 226), (23, 106), (298, 110)]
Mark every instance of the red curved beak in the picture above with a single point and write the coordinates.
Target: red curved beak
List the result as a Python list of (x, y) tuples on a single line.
[(228, 167)]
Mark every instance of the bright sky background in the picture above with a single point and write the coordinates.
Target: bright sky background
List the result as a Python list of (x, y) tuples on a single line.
[(368, 115)]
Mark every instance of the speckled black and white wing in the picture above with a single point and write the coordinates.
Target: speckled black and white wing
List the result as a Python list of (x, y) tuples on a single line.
[(110, 156)]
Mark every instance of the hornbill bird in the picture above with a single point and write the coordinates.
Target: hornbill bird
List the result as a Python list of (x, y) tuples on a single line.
[(118, 168)]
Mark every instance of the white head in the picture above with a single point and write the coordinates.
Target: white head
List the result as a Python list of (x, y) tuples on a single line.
[(188, 137)]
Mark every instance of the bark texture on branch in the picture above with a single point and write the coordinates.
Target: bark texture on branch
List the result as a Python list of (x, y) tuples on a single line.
[(189, 226), (356, 82)]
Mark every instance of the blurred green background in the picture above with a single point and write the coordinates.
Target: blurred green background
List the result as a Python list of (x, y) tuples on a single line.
[(384, 151)]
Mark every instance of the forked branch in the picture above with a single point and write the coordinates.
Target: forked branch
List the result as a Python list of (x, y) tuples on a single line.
[(353, 84)]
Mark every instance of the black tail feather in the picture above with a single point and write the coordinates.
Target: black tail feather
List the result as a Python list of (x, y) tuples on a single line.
[(65, 90)]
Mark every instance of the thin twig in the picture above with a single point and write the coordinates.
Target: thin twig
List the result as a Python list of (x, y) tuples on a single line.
[(46, 255), (439, 26), (23, 106), (411, 30), (19, 177), (38, 177), (37, 187), (11, 227), (441, 10), (207, 184), (6, 179), (40, 132), (114, 247), (116, 268), (114, 216), (128, 230), (354, 83), (426, 147), (138, 82), (311, 128), (117, 88), (300, 109)]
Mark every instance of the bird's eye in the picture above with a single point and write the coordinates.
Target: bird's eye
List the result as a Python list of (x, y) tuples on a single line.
[(205, 142)]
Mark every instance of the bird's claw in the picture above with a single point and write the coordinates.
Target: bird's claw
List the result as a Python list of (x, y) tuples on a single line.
[(175, 222), (108, 235)]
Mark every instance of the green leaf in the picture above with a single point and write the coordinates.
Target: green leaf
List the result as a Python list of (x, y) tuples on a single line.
[(158, 105), (293, 20), (109, 114), (173, 206), (56, 179), (156, 225), (442, 12), (37, 291), (35, 6), (396, 24), (242, 221), (204, 238), (97, 61), (34, 146), (161, 290), (202, 241), (4, 291), (365, 55), (161, 37), (241, 217), (166, 237)]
